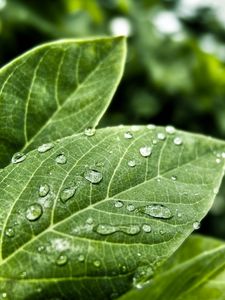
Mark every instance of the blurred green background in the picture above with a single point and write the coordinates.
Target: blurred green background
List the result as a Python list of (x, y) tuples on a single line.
[(175, 70)]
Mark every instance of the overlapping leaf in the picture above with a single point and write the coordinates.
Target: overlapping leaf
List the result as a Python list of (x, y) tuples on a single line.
[(56, 90), (93, 215)]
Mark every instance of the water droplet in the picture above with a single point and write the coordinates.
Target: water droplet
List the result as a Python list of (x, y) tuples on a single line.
[(178, 141), (23, 274), (174, 178), (142, 276), (139, 254), (3, 295), (157, 211), (146, 228), (44, 190), (105, 229), (90, 131), (10, 232), (179, 215), (41, 248), (61, 159), (93, 176), (215, 190), (97, 263), (131, 163), (118, 204), (67, 193), (130, 207), (145, 151), (18, 157), (34, 212), (196, 225), (151, 126), (161, 136), (162, 232), (218, 160), (45, 147), (81, 258), (131, 230), (170, 129), (223, 155), (154, 142), (90, 221), (62, 260), (128, 135)]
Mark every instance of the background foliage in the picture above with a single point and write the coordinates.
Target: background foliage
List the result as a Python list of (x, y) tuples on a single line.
[(175, 67)]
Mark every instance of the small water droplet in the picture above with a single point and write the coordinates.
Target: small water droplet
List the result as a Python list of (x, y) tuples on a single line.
[(45, 147), (161, 136), (34, 212), (44, 190), (10, 232), (142, 276), (67, 193), (162, 232), (81, 258), (3, 295), (130, 207), (146, 228), (90, 221), (90, 131), (178, 141), (139, 254), (97, 263), (62, 260), (196, 225), (131, 230), (179, 215), (18, 157), (128, 135), (151, 126), (223, 155), (154, 142), (61, 159), (118, 204), (215, 190), (145, 151), (218, 160), (41, 248), (93, 176), (174, 178), (105, 229), (131, 163), (170, 129), (157, 211)]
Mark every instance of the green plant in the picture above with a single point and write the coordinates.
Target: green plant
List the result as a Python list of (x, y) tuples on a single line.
[(92, 213)]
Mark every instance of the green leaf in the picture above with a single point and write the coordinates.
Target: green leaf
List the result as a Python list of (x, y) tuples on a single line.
[(56, 90), (93, 215), (196, 272)]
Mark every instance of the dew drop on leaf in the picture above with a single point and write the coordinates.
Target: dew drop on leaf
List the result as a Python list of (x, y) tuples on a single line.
[(145, 151), (61, 159), (130, 207), (196, 225), (93, 176), (67, 193), (128, 135), (223, 155), (170, 129), (151, 126), (3, 295), (45, 147), (90, 221), (18, 157), (62, 260), (146, 228), (154, 142), (97, 263), (161, 136), (10, 232), (178, 141), (105, 229), (41, 249), (118, 204), (43, 190), (81, 258), (90, 131), (131, 230), (157, 211), (34, 212), (142, 276), (218, 160), (174, 178), (131, 163)]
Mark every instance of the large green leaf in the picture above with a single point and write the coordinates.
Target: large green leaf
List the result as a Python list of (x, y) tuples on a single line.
[(56, 90), (196, 272), (93, 215)]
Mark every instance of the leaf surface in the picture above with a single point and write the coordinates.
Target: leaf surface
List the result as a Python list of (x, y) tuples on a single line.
[(102, 212), (56, 90)]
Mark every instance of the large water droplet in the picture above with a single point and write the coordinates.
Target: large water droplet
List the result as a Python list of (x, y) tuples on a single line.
[(178, 141), (196, 225), (128, 135), (90, 131), (10, 232), (118, 204), (170, 129), (34, 212), (93, 176), (157, 211), (145, 151), (18, 157), (62, 260), (61, 159), (130, 207), (105, 229), (67, 193), (161, 136), (146, 228), (44, 190), (45, 147), (131, 163)]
